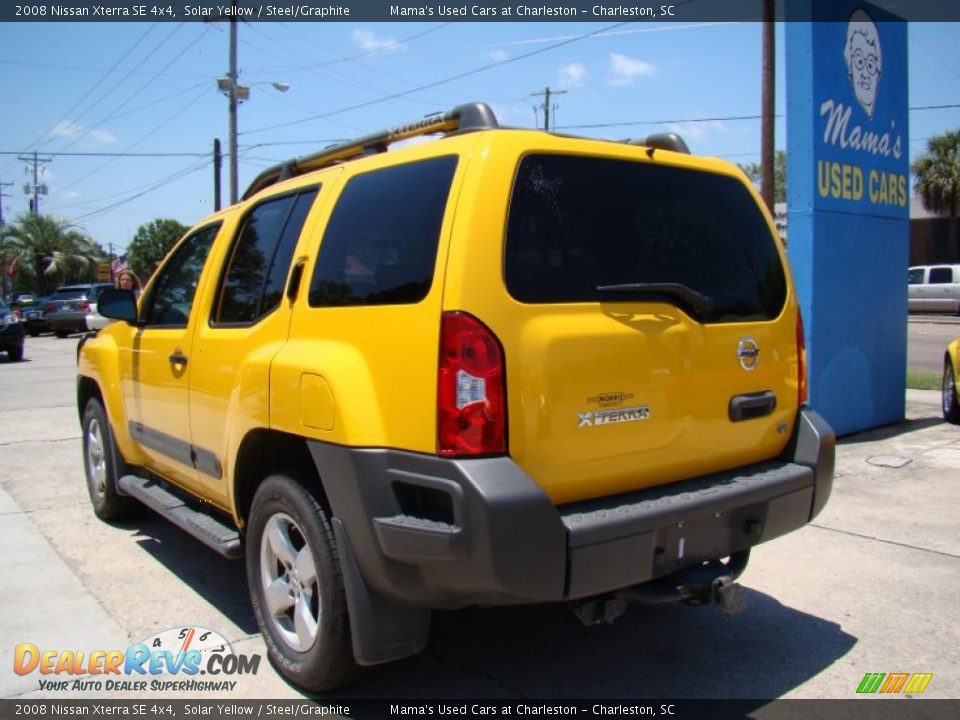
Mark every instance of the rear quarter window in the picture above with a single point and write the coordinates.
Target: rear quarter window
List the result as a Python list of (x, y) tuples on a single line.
[(941, 276), (576, 223), (380, 245), (916, 276)]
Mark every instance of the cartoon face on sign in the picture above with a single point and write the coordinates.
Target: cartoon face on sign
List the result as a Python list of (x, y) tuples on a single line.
[(864, 60)]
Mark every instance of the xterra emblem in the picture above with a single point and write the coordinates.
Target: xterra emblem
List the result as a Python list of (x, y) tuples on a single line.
[(610, 417), (748, 353)]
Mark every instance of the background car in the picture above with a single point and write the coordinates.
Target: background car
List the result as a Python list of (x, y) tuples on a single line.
[(95, 321), (34, 316), (11, 334), (951, 371), (68, 307)]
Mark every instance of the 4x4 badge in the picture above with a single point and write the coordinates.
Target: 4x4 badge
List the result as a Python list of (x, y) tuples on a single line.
[(610, 417), (748, 353)]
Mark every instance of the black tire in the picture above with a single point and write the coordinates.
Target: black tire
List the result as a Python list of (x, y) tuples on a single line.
[(15, 354), (325, 662), (61, 333), (950, 403), (33, 333), (103, 466)]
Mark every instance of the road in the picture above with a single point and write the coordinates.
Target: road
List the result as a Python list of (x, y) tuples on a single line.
[(927, 338), (870, 586)]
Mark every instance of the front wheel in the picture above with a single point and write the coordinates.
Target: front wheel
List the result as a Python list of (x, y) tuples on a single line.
[(103, 465), (296, 586), (948, 390)]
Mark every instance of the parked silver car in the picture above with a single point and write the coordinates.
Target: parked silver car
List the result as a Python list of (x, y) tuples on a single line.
[(68, 307), (934, 288)]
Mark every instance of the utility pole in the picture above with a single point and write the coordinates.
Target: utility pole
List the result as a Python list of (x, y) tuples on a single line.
[(36, 189), (234, 183), (5, 284), (217, 167), (2, 195), (768, 92), (547, 92)]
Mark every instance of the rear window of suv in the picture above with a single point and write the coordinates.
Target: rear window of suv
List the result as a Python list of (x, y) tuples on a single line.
[(577, 223), (76, 293)]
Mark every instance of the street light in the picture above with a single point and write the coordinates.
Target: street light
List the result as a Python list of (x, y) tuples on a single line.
[(236, 94)]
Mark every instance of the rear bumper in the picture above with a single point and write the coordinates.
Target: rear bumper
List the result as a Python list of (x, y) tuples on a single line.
[(71, 321), (434, 533)]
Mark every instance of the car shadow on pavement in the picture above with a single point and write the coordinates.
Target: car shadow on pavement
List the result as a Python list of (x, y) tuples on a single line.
[(542, 651), (890, 431), (651, 652), (221, 582)]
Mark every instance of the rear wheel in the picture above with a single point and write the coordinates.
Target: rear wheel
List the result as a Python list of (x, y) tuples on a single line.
[(61, 333), (296, 586), (103, 465), (15, 354), (33, 333), (948, 390)]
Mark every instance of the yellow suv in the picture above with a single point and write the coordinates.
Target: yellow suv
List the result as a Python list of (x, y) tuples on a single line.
[(501, 367)]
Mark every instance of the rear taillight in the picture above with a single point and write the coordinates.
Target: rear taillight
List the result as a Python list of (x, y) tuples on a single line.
[(471, 389), (48, 308), (801, 361), (84, 305)]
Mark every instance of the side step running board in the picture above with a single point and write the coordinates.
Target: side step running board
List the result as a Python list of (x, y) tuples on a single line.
[(206, 528)]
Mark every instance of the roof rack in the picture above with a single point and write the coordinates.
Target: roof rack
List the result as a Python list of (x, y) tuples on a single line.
[(663, 141), (463, 118)]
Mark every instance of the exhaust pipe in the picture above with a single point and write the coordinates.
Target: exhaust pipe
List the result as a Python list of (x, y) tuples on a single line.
[(710, 583)]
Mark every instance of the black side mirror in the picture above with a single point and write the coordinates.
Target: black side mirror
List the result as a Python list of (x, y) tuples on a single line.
[(118, 305)]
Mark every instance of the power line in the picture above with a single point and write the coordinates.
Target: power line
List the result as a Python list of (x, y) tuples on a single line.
[(350, 58), (86, 131), (189, 104), (82, 68), (189, 170), (111, 154), (725, 118), (436, 83)]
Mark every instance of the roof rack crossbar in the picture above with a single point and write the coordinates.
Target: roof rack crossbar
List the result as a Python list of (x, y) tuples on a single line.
[(463, 118)]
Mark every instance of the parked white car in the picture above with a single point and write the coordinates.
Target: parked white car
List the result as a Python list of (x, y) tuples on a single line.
[(934, 288)]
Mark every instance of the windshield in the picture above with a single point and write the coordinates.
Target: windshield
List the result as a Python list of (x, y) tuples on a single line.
[(579, 226)]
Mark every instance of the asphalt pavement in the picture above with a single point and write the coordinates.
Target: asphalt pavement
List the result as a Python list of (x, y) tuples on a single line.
[(869, 586)]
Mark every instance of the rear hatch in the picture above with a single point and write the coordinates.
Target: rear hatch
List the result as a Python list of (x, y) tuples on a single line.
[(650, 338), (69, 299)]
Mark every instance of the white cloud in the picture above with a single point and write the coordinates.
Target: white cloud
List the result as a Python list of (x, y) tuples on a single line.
[(498, 55), (624, 70), (368, 41), (70, 130), (698, 130), (68, 194), (572, 75)]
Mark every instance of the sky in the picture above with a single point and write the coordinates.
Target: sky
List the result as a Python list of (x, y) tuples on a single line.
[(148, 92)]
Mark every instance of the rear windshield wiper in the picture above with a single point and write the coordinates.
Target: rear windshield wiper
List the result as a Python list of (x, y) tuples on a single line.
[(698, 302)]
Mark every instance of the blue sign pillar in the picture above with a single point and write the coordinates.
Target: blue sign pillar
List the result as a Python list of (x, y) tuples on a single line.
[(848, 201)]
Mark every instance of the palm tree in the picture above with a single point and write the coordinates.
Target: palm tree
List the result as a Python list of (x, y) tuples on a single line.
[(47, 250), (938, 179)]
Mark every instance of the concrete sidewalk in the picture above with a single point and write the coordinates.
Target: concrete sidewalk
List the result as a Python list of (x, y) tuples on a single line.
[(874, 578)]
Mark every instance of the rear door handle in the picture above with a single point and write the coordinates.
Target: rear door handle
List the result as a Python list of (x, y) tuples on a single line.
[(178, 358), (752, 405)]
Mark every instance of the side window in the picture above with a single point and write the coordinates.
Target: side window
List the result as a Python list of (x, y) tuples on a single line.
[(253, 283), (380, 246), (916, 276), (172, 295), (941, 275)]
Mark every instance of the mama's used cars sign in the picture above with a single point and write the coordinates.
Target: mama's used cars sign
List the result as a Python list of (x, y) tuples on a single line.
[(848, 203), (860, 106)]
